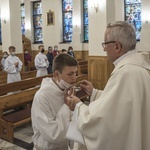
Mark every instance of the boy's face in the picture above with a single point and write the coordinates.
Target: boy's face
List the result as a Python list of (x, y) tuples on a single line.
[(12, 50), (68, 74)]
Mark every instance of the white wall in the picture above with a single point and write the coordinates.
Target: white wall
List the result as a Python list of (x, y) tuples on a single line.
[(52, 34), (11, 27), (109, 10)]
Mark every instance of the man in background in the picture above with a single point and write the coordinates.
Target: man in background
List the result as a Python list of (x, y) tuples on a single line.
[(41, 62), (50, 59), (13, 66)]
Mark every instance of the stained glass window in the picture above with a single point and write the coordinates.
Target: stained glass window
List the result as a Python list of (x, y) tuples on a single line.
[(85, 21), (133, 15), (23, 19), (67, 20), (0, 32), (37, 22)]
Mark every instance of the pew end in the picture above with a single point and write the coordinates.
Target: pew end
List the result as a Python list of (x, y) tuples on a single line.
[(10, 117)]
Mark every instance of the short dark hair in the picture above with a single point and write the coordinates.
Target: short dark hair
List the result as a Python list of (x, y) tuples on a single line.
[(63, 50), (70, 47), (11, 47), (40, 46), (50, 47), (63, 60)]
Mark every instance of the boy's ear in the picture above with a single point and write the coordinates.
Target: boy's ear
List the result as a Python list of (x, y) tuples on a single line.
[(56, 74)]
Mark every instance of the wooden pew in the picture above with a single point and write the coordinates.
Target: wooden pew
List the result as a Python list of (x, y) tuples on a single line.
[(24, 75), (3, 73), (28, 74), (82, 67), (9, 119), (21, 85)]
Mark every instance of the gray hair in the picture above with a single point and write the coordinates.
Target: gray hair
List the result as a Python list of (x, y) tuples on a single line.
[(122, 32)]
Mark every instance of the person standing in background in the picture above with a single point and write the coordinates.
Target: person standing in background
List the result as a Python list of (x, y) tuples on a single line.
[(13, 66), (41, 62), (55, 51), (70, 51), (5, 55), (50, 59), (27, 59)]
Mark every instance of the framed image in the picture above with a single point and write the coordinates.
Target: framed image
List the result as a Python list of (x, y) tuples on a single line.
[(50, 18)]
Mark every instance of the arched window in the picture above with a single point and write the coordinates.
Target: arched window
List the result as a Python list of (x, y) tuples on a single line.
[(23, 19), (67, 20), (85, 21), (37, 22), (133, 15)]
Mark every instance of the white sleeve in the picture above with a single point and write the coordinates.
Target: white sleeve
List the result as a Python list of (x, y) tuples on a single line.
[(95, 94), (19, 65), (52, 128), (40, 62), (10, 68)]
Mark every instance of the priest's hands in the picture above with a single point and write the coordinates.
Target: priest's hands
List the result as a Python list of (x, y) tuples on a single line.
[(71, 100), (87, 86)]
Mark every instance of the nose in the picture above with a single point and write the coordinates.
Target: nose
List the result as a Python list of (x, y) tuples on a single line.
[(74, 77)]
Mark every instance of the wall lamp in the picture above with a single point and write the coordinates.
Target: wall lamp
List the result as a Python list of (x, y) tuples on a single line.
[(4, 18), (95, 6)]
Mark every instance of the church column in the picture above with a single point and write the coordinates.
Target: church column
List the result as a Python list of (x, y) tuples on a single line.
[(11, 25)]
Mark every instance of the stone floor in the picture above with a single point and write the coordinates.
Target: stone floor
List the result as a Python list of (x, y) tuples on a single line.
[(23, 139)]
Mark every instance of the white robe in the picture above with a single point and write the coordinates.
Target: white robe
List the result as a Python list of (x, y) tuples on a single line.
[(3, 63), (50, 117), (119, 119), (40, 64), (13, 72)]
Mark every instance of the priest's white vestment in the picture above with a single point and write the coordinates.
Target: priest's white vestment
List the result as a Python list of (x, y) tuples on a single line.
[(119, 118)]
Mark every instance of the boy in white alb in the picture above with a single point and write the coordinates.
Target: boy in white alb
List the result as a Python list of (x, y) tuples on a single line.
[(50, 116)]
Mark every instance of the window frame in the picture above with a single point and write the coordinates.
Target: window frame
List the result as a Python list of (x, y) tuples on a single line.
[(34, 29), (136, 23), (63, 26), (84, 24)]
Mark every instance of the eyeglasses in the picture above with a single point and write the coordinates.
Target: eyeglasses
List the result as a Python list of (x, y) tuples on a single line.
[(105, 43)]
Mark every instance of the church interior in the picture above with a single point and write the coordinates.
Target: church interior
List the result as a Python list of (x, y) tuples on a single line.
[(26, 24)]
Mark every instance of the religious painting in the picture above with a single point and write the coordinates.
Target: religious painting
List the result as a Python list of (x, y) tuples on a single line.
[(50, 18)]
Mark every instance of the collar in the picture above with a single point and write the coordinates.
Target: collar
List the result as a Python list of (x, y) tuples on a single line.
[(123, 56)]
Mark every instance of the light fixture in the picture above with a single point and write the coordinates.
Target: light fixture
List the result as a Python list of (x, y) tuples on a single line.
[(95, 6), (4, 18)]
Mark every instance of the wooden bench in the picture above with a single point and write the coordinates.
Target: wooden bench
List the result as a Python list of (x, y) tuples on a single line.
[(3, 73), (24, 75), (9, 118), (83, 67), (22, 85)]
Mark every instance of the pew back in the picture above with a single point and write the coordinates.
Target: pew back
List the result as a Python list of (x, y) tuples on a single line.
[(24, 75), (9, 120), (21, 85), (13, 119)]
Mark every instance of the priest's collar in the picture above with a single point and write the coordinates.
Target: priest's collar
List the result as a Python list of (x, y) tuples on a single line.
[(126, 54)]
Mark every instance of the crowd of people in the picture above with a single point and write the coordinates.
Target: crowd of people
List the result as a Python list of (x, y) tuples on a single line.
[(43, 62)]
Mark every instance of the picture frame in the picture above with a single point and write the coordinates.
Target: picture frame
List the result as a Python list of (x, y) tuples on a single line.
[(50, 18)]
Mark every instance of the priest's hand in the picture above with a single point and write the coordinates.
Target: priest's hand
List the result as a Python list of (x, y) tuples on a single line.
[(71, 100), (87, 86)]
